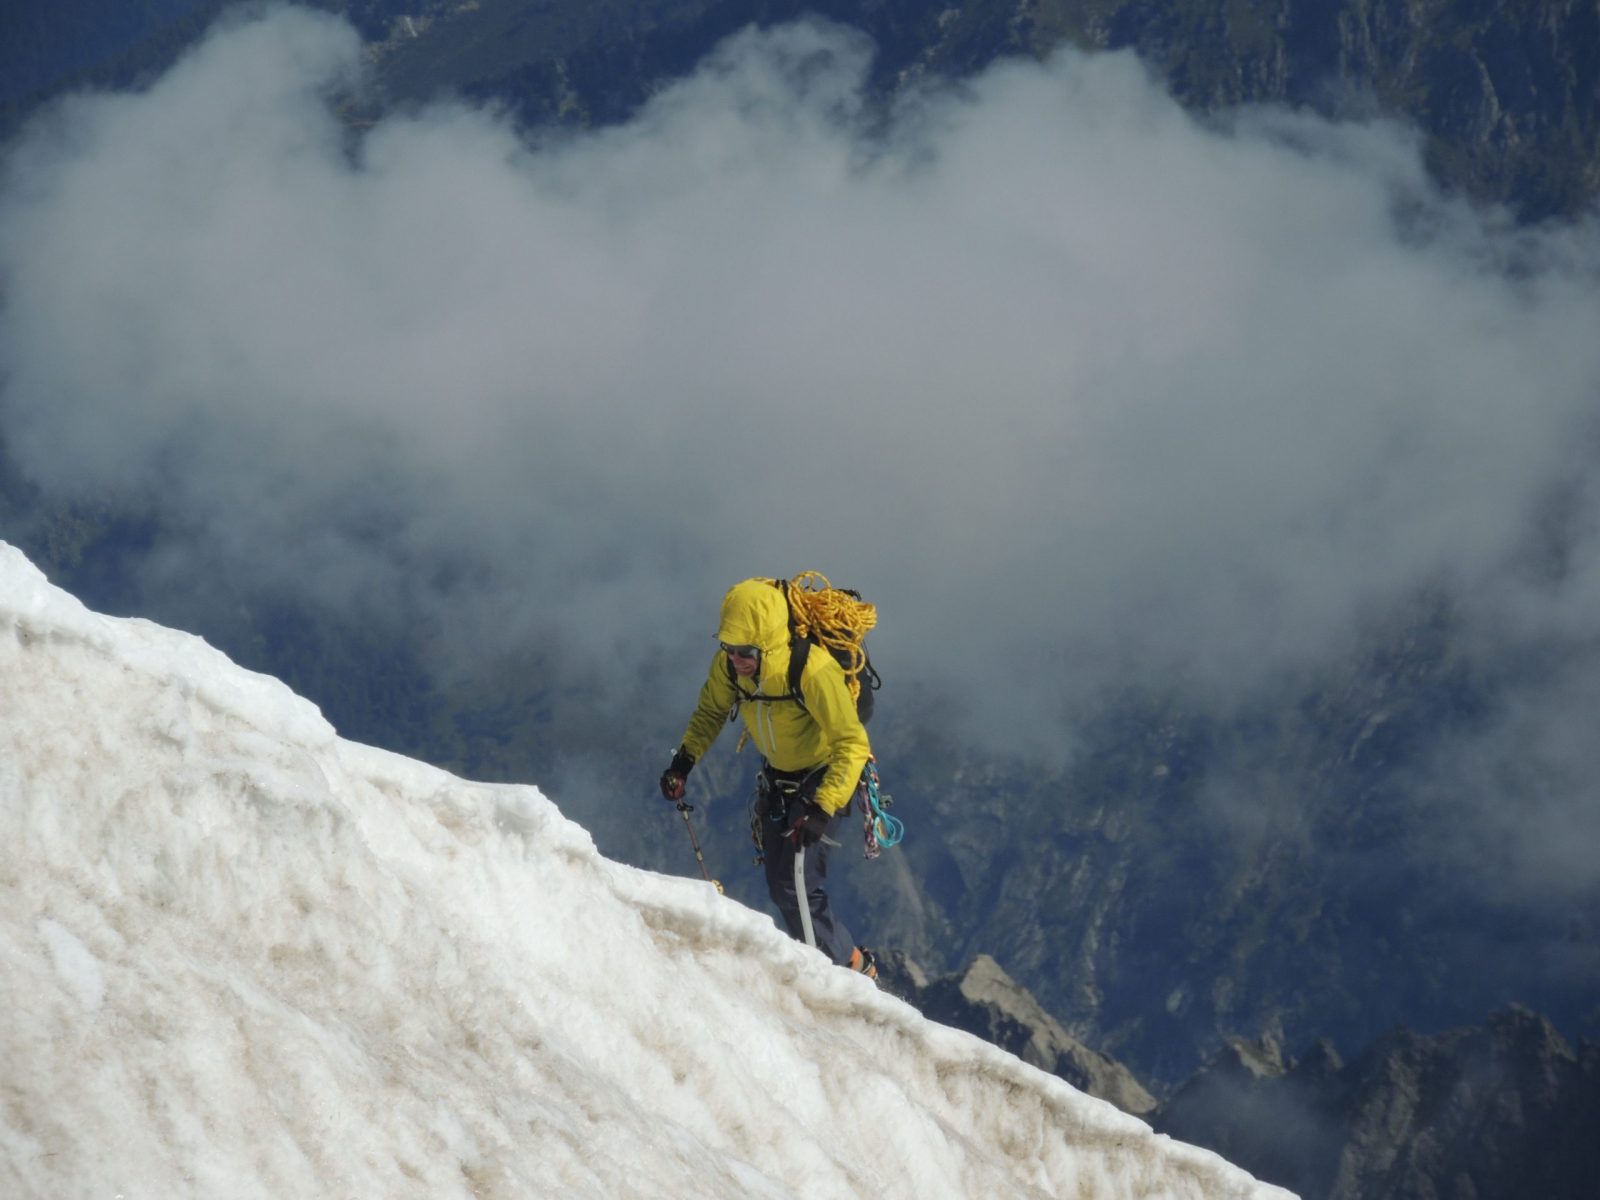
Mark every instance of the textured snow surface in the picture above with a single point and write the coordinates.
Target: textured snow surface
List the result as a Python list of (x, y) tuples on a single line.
[(242, 957)]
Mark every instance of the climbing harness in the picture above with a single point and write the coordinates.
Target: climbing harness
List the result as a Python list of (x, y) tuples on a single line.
[(769, 801)]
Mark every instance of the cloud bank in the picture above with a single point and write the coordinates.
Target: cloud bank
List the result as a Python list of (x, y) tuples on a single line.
[(1080, 389)]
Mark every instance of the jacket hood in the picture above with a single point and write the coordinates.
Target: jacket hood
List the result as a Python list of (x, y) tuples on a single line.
[(755, 613)]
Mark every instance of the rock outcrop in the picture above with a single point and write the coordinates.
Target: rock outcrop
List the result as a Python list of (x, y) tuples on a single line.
[(1505, 1110)]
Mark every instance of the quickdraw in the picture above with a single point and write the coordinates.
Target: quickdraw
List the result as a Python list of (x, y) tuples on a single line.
[(879, 829)]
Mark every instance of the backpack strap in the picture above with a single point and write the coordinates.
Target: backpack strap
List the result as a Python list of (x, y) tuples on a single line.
[(799, 651)]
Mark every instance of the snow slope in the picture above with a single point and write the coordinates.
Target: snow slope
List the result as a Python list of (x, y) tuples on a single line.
[(243, 957)]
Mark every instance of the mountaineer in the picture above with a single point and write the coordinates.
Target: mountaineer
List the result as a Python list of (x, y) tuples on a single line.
[(801, 711)]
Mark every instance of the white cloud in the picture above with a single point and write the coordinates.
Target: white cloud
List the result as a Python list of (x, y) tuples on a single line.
[(1064, 378)]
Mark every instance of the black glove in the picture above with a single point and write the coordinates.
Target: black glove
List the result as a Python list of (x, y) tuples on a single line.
[(677, 772), (808, 824)]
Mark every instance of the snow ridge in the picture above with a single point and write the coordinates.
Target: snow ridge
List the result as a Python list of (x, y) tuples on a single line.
[(245, 957)]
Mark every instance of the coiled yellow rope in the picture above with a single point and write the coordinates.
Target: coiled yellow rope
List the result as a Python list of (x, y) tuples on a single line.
[(838, 620)]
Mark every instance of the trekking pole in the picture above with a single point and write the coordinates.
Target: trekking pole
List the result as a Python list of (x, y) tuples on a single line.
[(686, 809)]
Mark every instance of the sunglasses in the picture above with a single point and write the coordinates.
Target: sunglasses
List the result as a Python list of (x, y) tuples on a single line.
[(739, 651)]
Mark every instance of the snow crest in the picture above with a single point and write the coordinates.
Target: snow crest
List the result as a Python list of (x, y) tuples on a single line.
[(245, 957)]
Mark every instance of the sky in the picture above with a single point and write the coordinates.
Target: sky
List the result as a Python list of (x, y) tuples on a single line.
[(245, 957), (1083, 391)]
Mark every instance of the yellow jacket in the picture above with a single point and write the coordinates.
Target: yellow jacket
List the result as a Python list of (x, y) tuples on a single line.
[(791, 738)]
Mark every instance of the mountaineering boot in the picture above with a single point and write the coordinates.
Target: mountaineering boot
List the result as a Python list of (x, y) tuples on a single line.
[(862, 962)]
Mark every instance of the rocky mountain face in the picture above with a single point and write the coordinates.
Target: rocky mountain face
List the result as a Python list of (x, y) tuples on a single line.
[(1506, 94), (983, 1000), (1154, 912), (1503, 1110)]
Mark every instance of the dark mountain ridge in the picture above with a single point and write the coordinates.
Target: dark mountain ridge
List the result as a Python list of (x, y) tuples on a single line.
[(1506, 94), (1503, 1110)]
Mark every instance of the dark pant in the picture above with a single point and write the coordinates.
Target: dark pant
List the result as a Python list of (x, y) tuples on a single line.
[(779, 851)]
